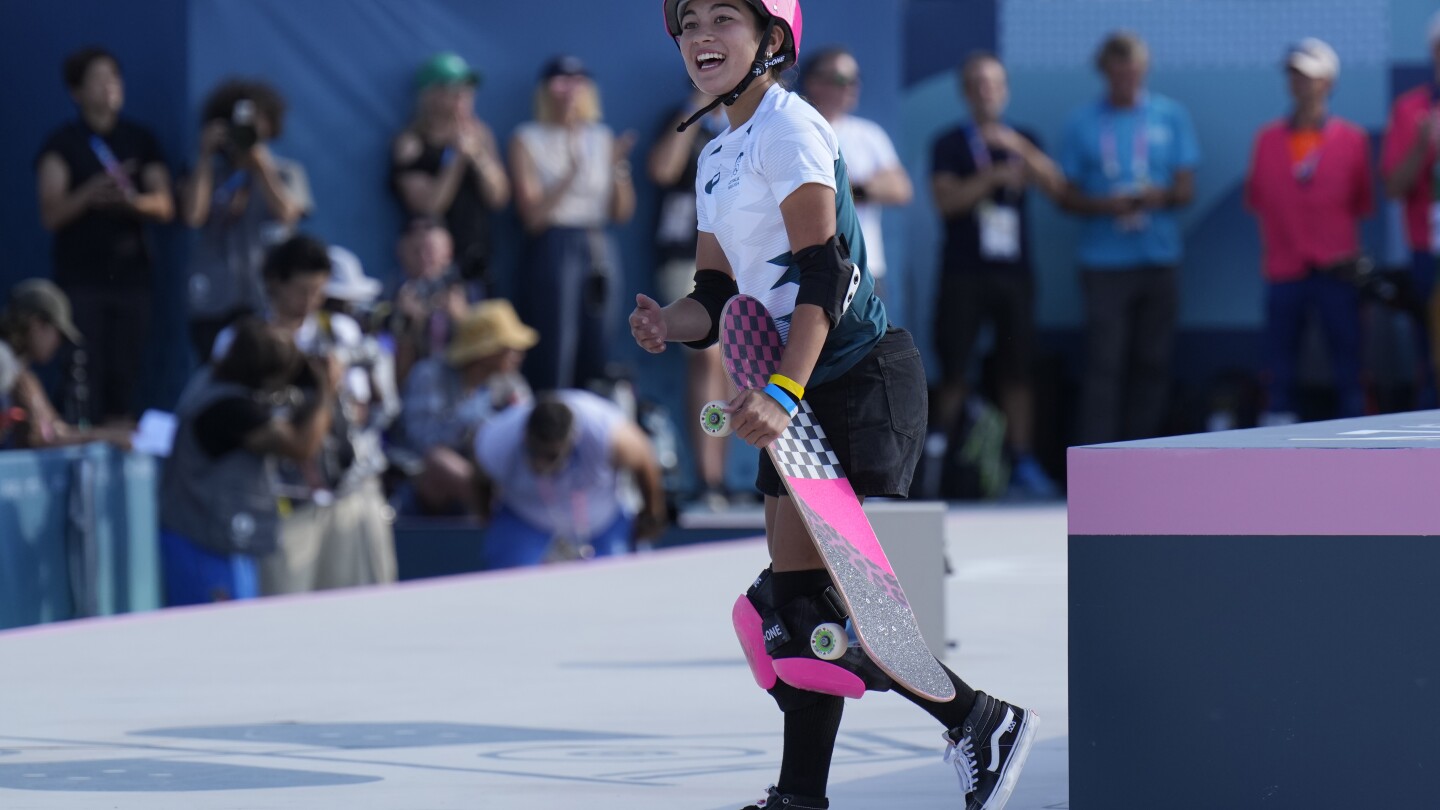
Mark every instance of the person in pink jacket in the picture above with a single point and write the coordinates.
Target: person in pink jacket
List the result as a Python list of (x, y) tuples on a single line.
[(1408, 156), (1310, 185)]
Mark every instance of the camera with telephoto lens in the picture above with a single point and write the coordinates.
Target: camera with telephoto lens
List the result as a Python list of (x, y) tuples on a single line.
[(242, 134)]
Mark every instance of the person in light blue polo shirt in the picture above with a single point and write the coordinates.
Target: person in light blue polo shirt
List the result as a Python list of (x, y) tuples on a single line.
[(1129, 160)]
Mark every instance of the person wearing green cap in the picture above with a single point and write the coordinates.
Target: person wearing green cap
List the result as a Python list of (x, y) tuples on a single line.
[(34, 324), (446, 163)]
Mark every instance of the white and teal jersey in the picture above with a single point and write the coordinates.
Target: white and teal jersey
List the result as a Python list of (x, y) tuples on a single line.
[(743, 177)]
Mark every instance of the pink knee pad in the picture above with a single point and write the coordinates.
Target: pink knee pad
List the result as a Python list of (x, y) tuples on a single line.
[(750, 629), (824, 677)]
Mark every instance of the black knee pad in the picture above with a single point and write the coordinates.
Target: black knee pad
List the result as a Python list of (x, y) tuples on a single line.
[(802, 648)]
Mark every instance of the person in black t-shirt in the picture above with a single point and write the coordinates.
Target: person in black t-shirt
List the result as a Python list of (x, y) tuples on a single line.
[(980, 174), (447, 165), (99, 179)]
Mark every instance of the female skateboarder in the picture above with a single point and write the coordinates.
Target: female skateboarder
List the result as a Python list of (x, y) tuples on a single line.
[(777, 221)]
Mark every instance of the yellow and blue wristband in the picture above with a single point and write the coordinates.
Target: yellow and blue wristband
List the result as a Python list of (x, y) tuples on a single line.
[(779, 394), (794, 389)]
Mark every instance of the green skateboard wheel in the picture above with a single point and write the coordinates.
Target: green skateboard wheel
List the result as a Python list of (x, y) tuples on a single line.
[(828, 641), (714, 420)]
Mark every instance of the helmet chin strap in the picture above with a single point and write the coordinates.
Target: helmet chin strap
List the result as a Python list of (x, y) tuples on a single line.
[(763, 62)]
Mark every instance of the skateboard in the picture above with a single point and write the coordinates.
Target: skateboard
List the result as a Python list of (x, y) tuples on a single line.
[(879, 612)]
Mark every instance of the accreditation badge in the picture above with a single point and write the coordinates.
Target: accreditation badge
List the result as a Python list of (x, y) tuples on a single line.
[(999, 231)]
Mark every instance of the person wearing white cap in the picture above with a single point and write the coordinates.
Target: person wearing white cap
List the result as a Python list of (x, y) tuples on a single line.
[(1407, 162), (370, 393), (1310, 184)]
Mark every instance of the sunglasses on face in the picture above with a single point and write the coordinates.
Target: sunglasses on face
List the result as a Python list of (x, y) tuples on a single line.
[(840, 79)]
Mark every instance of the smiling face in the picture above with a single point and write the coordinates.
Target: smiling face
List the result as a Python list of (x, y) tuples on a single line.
[(718, 40)]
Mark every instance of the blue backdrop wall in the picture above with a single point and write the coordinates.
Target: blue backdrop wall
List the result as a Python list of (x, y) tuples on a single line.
[(345, 67)]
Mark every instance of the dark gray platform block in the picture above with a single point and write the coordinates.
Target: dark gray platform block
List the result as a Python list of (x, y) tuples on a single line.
[(1218, 660), (1239, 672)]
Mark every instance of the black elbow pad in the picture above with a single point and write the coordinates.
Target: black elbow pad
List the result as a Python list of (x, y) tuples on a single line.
[(828, 279), (713, 290)]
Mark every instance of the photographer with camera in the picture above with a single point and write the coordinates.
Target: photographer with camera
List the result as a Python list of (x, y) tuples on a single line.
[(335, 529), (369, 399), (219, 493), (243, 199)]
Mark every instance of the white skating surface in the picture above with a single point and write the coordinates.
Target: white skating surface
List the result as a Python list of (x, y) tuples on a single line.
[(608, 685)]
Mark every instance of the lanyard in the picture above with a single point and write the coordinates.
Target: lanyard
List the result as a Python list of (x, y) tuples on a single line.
[(226, 191), (980, 153), (109, 162), (1305, 169), (1139, 150)]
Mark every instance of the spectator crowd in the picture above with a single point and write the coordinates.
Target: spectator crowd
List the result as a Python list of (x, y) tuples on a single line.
[(327, 400)]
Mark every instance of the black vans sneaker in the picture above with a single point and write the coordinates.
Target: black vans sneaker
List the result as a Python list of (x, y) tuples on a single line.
[(989, 749), (775, 800)]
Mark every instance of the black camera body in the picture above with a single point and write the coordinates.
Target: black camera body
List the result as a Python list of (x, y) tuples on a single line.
[(242, 133)]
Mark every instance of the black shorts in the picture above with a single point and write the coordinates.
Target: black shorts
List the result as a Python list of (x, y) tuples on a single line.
[(969, 300), (874, 415)]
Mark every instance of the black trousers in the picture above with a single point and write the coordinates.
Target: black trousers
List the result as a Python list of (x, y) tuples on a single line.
[(1130, 319), (115, 324)]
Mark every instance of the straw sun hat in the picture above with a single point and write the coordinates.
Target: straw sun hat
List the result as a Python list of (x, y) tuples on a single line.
[(489, 327)]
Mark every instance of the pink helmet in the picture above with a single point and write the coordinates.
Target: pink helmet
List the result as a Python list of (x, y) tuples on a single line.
[(786, 12)]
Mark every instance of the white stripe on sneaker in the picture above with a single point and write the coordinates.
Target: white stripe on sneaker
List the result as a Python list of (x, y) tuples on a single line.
[(1000, 731)]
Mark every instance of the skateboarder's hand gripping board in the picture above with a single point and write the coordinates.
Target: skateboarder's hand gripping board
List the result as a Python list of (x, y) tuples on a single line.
[(757, 418)]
